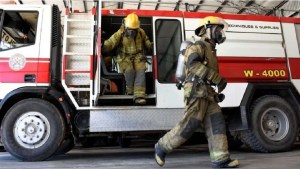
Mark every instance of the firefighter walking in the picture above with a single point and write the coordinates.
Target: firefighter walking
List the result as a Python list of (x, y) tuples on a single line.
[(201, 100), (130, 41)]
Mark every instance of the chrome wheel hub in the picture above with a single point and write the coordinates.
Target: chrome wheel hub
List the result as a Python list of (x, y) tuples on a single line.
[(275, 124), (32, 130)]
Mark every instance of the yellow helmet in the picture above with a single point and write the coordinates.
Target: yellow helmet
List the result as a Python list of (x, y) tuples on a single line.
[(132, 21), (210, 20)]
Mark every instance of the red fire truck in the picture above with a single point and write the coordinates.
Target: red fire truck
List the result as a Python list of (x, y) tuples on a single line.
[(56, 88)]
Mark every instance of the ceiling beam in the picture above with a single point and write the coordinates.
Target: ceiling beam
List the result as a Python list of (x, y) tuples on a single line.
[(294, 13), (198, 6), (139, 5), (84, 7), (249, 3), (276, 7), (65, 3), (220, 8), (157, 5), (120, 5), (177, 5), (237, 5), (187, 7)]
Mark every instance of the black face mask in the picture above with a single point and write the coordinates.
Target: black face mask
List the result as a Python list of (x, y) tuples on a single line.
[(217, 34), (130, 33)]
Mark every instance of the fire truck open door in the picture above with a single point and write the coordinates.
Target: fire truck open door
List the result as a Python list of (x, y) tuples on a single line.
[(111, 83), (168, 35)]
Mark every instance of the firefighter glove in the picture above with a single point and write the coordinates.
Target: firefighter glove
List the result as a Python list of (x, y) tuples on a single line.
[(221, 86)]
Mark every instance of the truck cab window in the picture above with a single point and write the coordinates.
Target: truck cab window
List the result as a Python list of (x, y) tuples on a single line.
[(18, 29), (168, 33)]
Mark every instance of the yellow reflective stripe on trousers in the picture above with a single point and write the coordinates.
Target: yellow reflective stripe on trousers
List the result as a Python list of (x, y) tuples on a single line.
[(218, 154)]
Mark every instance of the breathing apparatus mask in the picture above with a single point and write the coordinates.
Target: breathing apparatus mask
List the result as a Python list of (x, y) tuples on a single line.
[(130, 33), (217, 34)]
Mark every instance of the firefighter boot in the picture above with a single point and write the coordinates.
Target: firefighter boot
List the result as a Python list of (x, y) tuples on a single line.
[(129, 90), (226, 164), (140, 101), (159, 155)]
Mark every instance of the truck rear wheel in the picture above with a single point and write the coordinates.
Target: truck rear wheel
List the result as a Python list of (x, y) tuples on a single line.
[(32, 130), (2, 148), (274, 125), (65, 146)]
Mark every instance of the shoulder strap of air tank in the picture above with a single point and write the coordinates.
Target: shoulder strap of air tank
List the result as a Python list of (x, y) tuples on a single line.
[(201, 43)]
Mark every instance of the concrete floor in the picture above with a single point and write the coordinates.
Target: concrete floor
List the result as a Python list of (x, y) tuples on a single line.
[(187, 157)]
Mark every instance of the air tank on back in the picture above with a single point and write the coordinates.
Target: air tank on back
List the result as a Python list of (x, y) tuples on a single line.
[(180, 70)]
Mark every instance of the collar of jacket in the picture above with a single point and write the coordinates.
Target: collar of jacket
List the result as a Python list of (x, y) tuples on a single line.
[(211, 42)]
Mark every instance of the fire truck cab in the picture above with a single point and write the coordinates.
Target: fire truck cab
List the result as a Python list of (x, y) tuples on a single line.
[(56, 88)]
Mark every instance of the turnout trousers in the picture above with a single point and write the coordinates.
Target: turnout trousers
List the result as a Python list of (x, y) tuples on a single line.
[(200, 112), (134, 72)]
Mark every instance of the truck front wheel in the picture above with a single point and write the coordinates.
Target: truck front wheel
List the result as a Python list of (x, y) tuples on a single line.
[(32, 130), (273, 125)]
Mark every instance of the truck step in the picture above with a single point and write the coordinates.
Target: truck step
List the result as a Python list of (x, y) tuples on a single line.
[(123, 100)]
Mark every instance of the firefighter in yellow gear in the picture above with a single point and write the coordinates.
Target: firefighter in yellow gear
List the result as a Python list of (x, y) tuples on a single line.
[(201, 100), (130, 41)]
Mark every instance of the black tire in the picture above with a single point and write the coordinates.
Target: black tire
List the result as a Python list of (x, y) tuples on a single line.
[(66, 145), (32, 130), (1, 146), (274, 125), (2, 149), (233, 142)]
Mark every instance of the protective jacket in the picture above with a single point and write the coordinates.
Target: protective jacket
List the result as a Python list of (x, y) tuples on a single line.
[(127, 47), (201, 65)]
